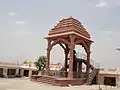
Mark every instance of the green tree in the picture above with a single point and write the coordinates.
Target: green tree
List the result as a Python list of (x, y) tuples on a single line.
[(25, 62), (40, 63)]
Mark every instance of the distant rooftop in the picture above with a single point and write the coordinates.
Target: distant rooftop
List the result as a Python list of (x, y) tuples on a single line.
[(8, 63), (15, 65), (110, 71)]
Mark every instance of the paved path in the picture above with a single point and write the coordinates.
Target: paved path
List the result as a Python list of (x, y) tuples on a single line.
[(25, 84)]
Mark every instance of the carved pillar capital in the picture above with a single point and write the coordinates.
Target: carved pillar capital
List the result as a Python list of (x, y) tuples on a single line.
[(72, 39), (48, 49), (49, 41)]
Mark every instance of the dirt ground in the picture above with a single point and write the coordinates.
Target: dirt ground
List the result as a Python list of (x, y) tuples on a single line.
[(26, 84)]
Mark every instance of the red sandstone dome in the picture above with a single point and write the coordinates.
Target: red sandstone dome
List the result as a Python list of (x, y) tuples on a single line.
[(69, 26)]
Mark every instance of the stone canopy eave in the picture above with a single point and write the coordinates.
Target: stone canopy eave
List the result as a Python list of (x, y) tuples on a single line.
[(68, 33)]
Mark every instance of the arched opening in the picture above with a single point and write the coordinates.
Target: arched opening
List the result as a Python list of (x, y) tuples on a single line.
[(57, 55), (83, 44), (57, 59), (81, 53), (79, 64)]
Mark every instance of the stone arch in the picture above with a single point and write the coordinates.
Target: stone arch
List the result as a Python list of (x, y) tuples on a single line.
[(81, 42), (59, 41)]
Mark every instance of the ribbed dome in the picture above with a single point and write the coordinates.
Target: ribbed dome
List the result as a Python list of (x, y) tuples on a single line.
[(69, 25)]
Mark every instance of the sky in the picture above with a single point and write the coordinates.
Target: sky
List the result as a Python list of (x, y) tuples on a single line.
[(24, 23)]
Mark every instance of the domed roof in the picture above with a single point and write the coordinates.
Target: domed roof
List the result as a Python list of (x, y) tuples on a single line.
[(69, 25)]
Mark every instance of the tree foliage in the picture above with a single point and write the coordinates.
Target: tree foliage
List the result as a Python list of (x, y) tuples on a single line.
[(40, 63), (25, 62)]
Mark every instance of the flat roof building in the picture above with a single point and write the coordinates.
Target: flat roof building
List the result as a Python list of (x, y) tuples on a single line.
[(12, 69), (109, 76)]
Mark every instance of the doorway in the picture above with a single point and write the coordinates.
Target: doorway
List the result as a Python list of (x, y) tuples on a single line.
[(94, 80), (34, 72), (26, 73), (110, 81), (1, 71), (11, 72)]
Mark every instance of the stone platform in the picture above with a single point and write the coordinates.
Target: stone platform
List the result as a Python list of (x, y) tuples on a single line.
[(57, 81)]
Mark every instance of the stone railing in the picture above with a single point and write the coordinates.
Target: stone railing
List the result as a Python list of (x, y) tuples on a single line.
[(109, 70)]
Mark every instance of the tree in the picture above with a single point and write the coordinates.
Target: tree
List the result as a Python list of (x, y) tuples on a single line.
[(25, 62), (40, 63)]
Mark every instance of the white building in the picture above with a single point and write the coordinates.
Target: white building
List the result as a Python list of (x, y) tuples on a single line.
[(109, 76), (12, 70)]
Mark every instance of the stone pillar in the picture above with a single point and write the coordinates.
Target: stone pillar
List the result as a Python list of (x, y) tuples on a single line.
[(79, 69), (88, 60), (21, 72), (48, 58), (5, 71), (98, 82), (88, 64), (66, 61), (30, 73), (17, 71), (101, 79), (72, 46)]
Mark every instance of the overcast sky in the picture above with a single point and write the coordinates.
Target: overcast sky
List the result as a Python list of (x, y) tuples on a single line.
[(24, 23)]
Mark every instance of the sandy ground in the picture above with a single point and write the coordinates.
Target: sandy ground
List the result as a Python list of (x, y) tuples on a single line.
[(26, 84)]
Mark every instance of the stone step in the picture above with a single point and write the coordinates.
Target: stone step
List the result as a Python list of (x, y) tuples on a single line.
[(47, 80)]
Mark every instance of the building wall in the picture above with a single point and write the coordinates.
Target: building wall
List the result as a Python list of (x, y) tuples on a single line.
[(101, 78), (7, 66), (115, 72), (5, 71)]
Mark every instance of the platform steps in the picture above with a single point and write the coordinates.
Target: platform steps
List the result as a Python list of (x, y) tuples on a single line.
[(58, 82), (47, 80)]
